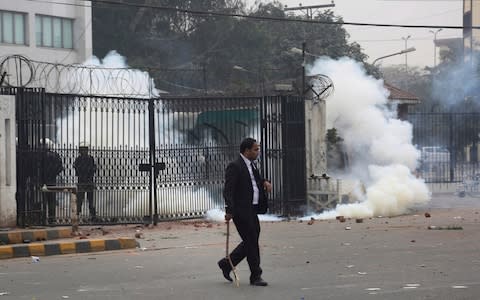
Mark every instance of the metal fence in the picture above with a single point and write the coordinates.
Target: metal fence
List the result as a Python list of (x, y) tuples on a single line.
[(131, 139), (449, 145)]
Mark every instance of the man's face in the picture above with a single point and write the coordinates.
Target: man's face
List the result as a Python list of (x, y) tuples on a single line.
[(252, 153)]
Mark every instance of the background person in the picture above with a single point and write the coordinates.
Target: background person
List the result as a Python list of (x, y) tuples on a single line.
[(85, 169), (53, 166)]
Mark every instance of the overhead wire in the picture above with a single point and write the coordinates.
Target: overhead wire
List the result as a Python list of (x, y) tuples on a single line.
[(262, 18)]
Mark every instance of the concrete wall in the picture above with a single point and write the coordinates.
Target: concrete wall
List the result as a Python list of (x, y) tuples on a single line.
[(82, 30), (8, 183)]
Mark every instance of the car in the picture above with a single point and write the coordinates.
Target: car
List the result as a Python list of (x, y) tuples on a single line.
[(435, 154), (434, 157)]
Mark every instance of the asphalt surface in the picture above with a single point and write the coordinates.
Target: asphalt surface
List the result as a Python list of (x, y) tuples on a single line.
[(380, 258)]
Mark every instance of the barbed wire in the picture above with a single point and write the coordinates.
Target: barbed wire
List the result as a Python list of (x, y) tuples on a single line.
[(75, 78)]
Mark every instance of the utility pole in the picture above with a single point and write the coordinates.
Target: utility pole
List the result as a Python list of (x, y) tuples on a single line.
[(308, 10)]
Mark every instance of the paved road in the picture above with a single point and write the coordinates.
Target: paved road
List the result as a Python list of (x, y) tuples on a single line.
[(381, 258)]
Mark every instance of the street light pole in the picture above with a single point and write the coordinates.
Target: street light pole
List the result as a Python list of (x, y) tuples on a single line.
[(406, 62), (411, 49), (435, 45)]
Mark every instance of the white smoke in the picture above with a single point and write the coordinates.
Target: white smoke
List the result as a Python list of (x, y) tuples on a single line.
[(104, 128), (456, 83), (218, 215), (379, 145)]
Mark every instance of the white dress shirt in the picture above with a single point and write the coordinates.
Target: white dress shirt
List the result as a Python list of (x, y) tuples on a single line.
[(256, 192)]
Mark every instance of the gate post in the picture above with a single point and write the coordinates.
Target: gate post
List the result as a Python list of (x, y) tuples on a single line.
[(8, 182), (315, 123)]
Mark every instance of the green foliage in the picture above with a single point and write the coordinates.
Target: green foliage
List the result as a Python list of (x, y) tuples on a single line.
[(203, 50), (332, 136)]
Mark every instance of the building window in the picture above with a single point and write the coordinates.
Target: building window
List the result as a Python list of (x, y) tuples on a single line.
[(12, 27), (54, 32)]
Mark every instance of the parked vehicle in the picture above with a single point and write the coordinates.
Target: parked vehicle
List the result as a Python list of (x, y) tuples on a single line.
[(434, 158)]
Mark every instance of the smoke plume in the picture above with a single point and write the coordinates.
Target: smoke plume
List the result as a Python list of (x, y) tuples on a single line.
[(379, 146)]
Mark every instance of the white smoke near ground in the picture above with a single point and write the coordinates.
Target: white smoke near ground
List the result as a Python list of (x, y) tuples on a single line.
[(379, 146), (218, 215)]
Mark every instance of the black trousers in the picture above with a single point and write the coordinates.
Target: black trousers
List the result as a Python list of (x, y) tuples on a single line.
[(248, 228), (91, 204), (52, 205)]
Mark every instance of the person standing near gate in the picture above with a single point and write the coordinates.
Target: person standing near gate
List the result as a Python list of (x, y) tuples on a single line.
[(52, 166), (85, 170), (245, 197)]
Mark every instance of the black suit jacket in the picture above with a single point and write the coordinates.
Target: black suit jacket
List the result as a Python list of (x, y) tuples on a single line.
[(238, 190)]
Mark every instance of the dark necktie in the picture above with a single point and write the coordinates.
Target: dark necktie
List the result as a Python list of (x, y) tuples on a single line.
[(256, 174)]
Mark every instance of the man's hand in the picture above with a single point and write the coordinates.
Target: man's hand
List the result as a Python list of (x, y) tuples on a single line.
[(228, 217), (267, 186)]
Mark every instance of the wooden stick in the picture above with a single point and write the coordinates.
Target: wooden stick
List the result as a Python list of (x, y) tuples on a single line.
[(235, 275)]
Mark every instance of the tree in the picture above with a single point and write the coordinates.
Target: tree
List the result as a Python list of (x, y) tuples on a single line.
[(202, 50)]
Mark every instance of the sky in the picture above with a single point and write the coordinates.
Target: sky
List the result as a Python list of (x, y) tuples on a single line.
[(381, 41)]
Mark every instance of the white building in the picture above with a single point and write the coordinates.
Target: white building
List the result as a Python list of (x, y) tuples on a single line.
[(57, 31)]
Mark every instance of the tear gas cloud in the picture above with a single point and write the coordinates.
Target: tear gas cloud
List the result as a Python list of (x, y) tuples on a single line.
[(452, 86), (218, 215), (100, 129), (379, 146)]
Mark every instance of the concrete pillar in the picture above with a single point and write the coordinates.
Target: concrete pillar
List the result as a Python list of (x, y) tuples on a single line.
[(315, 131), (8, 183), (318, 189)]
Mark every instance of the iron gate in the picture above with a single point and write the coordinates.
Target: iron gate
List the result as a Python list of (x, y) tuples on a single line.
[(194, 137), (449, 145)]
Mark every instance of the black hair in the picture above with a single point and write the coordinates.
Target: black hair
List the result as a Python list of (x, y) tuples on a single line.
[(247, 144)]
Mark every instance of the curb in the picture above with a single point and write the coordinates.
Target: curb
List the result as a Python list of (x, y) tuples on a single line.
[(82, 246), (35, 235)]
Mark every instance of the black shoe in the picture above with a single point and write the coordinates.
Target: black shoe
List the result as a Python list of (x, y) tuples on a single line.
[(224, 265), (258, 282)]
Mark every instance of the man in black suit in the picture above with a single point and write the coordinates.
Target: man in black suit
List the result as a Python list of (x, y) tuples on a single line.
[(245, 197)]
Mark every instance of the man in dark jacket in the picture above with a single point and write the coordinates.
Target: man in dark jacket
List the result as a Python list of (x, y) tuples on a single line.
[(245, 197), (85, 170), (52, 166)]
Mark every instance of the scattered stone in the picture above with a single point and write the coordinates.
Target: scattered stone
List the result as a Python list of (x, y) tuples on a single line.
[(427, 215), (359, 220), (450, 227), (311, 221), (139, 235), (341, 219), (82, 237), (412, 241), (348, 228), (210, 225)]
